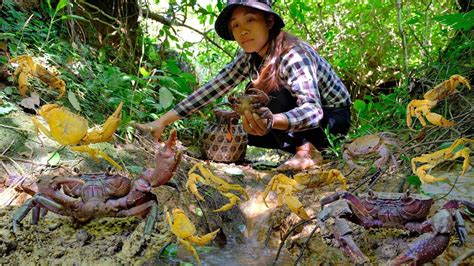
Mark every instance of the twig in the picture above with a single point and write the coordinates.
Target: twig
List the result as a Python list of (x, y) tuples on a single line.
[(402, 35), (17, 128), (450, 190), (462, 257), (7, 148), (269, 232), (290, 231), (167, 22), (305, 245)]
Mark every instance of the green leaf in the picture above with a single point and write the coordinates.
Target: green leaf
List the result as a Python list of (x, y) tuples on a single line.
[(198, 212), (166, 98), (6, 108), (359, 105), (414, 180), (66, 17), (49, 5), (459, 21), (54, 158), (170, 251), (61, 5), (6, 35), (73, 100)]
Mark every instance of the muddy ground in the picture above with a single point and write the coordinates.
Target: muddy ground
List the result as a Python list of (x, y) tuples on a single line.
[(244, 229)]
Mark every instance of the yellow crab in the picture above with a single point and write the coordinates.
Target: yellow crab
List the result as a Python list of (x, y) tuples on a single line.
[(28, 68), (317, 178), (429, 161), (284, 187), (208, 178), (185, 231), (422, 108), (70, 129)]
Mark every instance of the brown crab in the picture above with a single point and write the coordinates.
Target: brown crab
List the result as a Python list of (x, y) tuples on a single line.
[(368, 145), (89, 196), (251, 101), (393, 210)]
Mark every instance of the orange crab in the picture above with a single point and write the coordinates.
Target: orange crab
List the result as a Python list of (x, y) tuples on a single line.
[(28, 68), (422, 108), (70, 129)]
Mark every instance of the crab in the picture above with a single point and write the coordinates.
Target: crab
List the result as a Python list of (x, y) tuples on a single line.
[(369, 145), (393, 210), (72, 130), (431, 160), (87, 196), (28, 68), (422, 108), (284, 187), (185, 231), (251, 101), (208, 178)]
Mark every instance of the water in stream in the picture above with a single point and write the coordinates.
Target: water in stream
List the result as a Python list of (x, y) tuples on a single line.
[(251, 251)]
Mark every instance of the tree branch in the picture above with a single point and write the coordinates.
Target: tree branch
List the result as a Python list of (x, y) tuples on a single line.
[(169, 23), (402, 35)]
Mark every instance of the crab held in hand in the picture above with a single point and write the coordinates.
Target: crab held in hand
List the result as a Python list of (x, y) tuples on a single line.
[(393, 210), (28, 68), (373, 144), (208, 178), (89, 196), (251, 101), (185, 231), (431, 160), (422, 108), (72, 130)]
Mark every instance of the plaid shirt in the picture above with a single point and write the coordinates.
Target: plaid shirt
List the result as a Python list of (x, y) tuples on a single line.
[(308, 76)]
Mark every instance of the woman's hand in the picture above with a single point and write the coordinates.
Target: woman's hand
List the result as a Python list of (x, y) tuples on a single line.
[(259, 123), (157, 127)]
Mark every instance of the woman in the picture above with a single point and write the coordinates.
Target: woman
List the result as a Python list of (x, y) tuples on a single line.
[(306, 95)]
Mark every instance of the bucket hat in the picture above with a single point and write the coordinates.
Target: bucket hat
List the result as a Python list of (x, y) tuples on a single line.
[(222, 22)]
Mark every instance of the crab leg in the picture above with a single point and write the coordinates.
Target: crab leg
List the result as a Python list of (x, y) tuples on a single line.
[(94, 153), (35, 202), (189, 247), (233, 199), (141, 210), (341, 230)]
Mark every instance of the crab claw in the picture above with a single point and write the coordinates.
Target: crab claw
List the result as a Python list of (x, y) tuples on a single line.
[(167, 160), (333, 197), (107, 130)]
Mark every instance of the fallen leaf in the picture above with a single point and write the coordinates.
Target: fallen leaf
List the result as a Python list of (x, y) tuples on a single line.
[(31, 102)]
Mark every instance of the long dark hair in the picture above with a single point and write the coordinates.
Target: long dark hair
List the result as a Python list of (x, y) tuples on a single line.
[(269, 78)]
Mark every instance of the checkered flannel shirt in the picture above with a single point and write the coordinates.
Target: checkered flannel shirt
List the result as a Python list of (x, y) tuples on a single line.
[(308, 76)]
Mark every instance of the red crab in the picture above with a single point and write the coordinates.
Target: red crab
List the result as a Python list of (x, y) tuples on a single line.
[(393, 210), (89, 196)]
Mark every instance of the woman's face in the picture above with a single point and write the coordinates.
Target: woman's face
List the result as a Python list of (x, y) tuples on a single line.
[(251, 29)]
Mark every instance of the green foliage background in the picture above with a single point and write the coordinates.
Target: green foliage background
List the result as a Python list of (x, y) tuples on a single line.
[(361, 39)]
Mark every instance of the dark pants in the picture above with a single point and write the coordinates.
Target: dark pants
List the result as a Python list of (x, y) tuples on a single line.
[(336, 119)]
